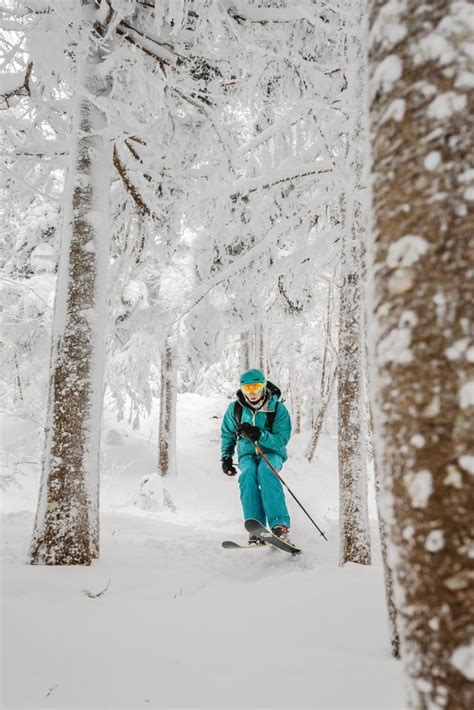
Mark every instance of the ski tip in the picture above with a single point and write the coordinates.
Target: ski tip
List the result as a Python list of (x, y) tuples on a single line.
[(252, 524)]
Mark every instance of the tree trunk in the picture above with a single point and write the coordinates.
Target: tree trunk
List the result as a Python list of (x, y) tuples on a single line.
[(168, 402), (353, 501), (328, 375), (421, 314), (352, 445), (388, 574), (295, 404), (67, 526), (319, 421), (383, 535), (244, 351), (18, 385), (260, 348)]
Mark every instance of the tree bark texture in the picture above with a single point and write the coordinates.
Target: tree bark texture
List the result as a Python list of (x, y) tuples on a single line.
[(383, 534), (244, 351), (387, 574), (327, 382), (168, 404), (260, 348), (421, 346), (319, 420), (67, 526), (295, 403), (352, 445)]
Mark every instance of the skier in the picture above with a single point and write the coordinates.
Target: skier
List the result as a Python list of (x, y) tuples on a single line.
[(258, 415)]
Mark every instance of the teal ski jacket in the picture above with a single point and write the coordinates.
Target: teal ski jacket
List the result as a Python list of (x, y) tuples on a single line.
[(272, 439)]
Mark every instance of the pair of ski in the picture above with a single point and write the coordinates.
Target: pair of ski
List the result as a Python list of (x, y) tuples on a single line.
[(254, 527)]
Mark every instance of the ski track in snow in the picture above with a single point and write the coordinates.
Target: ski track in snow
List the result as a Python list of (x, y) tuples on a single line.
[(176, 625)]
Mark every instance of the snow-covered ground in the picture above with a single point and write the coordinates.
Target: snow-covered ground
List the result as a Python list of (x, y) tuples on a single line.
[(184, 623)]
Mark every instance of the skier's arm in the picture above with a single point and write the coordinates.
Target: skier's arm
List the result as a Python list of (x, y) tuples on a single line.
[(228, 433), (277, 439)]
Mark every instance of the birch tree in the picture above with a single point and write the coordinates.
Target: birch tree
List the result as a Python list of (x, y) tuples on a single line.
[(422, 353)]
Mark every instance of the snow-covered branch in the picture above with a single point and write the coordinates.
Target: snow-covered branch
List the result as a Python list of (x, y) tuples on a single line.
[(132, 190), (17, 84)]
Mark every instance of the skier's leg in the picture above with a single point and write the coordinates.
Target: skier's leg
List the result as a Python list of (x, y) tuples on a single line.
[(250, 495), (273, 495)]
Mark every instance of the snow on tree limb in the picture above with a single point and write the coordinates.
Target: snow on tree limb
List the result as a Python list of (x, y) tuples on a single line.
[(17, 84)]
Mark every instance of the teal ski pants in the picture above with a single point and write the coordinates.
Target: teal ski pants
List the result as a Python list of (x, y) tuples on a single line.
[(261, 492)]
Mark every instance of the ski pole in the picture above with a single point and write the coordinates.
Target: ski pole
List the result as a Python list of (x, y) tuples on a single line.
[(273, 469)]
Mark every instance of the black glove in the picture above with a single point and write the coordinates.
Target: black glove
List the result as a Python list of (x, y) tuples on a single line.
[(228, 467), (251, 432)]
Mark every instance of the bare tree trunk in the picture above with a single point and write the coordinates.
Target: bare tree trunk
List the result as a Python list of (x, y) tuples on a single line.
[(66, 530), (326, 385), (260, 347), (295, 404), (421, 315), (319, 421), (328, 339), (353, 500), (18, 383), (168, 401), (352, 445), (244, 351)]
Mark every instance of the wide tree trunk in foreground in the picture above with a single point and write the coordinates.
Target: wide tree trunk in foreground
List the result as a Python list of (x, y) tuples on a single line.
[(422, 107), (67, 526)]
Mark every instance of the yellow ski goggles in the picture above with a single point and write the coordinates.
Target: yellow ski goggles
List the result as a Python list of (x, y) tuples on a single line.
[(252, 387)]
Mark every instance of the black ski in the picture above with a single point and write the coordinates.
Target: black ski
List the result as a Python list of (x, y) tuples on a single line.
[(254, 527)]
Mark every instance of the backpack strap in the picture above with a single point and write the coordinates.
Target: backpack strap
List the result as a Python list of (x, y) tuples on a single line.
[(271, 416), (238, 414)]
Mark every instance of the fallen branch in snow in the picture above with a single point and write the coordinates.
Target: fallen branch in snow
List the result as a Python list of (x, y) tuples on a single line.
[(93, 595)]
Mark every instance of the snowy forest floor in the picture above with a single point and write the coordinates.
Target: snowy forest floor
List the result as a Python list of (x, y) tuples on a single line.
[(183, 622)]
